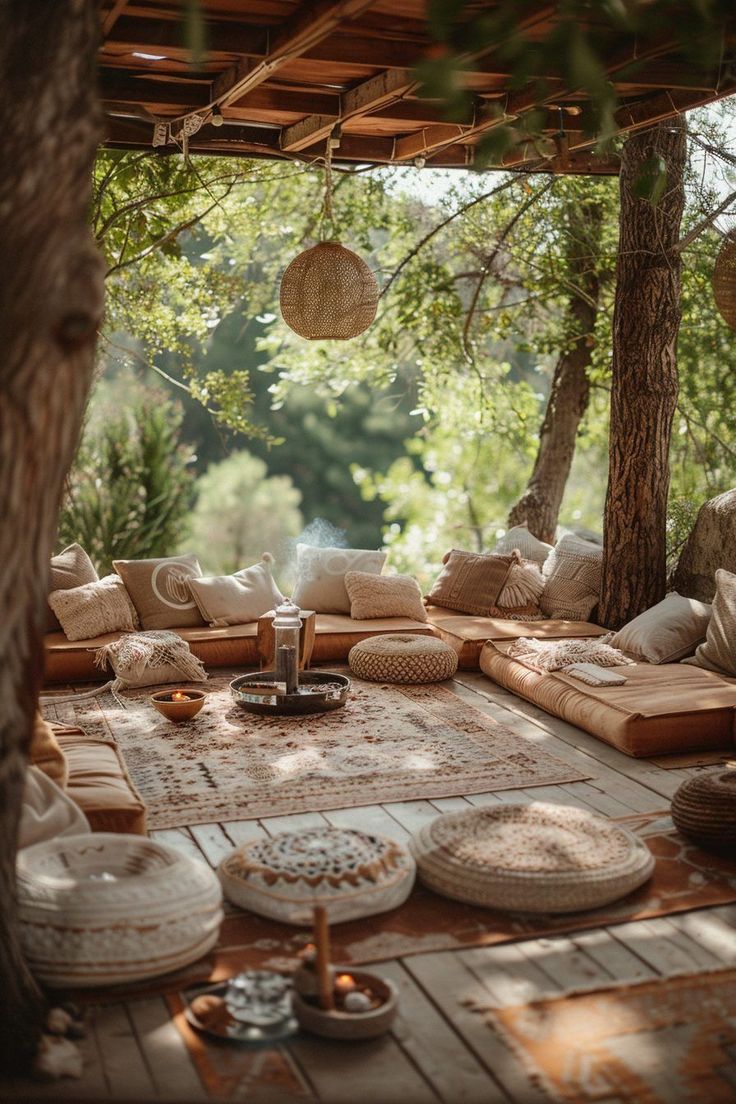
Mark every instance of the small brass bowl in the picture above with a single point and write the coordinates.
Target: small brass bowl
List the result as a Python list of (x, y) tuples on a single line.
[(176, 711)]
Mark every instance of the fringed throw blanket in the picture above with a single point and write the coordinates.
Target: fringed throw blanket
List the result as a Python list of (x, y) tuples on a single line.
[(150, 659), (555, 655)]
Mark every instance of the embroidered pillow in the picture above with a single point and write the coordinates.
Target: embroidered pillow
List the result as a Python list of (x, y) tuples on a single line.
[(520, 538), (718, 653), (320, 583), (160, 590), (239, 598), (150, 659), (374, 596), (667, 631), (573, 579), (70, 568), (471, 582), (94, 609)]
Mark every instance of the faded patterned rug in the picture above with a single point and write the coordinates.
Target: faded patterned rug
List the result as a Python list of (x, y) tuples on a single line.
[(669, 1041), (388, 743)]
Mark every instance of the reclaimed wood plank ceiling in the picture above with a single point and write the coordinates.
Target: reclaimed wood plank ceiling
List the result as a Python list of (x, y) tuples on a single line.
[(284, 74)]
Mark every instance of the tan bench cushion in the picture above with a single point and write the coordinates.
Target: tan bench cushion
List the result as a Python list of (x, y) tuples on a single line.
[(660, 709), (73, 661), (99, 783), (467, 634), (336, 633)]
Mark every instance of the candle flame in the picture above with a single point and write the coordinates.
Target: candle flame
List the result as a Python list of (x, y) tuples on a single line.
[(179, 695), (344, 983)]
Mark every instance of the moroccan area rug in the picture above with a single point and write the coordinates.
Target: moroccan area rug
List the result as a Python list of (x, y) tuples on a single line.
[(656, 1042), (388, 743)]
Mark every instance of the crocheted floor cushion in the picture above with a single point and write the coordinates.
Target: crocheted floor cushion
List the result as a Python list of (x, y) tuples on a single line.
[(530, 858), (351, 873), (102, 908), (704, 809), (401, 657)]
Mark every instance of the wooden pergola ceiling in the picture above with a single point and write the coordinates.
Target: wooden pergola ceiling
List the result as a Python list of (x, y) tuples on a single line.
[(284, 74)]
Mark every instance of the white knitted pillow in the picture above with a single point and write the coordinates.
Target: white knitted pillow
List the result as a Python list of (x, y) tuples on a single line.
[(519, 537), (374, 596), (573, 579), (523, 587), (94, 609)]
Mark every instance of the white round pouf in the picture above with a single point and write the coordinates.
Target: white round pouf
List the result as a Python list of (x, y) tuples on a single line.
[(530, 858), (102, 908), (403, 657), (351, 873)]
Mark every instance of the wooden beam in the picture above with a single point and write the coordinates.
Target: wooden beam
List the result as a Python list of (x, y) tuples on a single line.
[(311, 23), (110, 17), (365, 99), (170, 97)]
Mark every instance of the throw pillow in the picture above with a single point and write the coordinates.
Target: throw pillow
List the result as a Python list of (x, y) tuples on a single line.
[(573, 579), (667, 631), (239, 598), (374, 596), (160, 590), (718, 653), (320, 582), (70, 568), (95, 608), (524, 585), (471, 582), (150, 659), (520, 538)]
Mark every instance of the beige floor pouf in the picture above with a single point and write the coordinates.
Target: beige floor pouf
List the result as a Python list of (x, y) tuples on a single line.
[(530, 858), (351, 873), (704, 809), (103, 908), (401, 657)]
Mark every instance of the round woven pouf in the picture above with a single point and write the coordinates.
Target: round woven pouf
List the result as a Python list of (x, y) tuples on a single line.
[(704, 809), (351, 873), (402, 657), (101, 908), (530, 858)]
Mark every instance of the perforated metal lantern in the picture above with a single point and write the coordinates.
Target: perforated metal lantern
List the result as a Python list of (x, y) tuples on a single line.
[(724, 280), (328, 292)]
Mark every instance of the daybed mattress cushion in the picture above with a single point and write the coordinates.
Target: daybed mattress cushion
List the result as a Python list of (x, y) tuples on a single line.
[(660, 709), (467, 634), (99, 783), (74, 661), (336, 633)]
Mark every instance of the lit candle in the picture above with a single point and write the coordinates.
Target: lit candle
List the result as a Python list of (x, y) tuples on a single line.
[(179, 696), (344, 983)]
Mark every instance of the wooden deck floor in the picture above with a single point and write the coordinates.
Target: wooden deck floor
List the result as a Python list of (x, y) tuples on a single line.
[(439, 1050)]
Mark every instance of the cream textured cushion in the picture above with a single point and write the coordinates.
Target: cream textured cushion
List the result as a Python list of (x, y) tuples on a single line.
[(320, 583), (160, 590), (94, 609), (573, 579), (351, 873), (718, 653), (239, 598), (471, 582), (530, 858), (150, 658), (520, 538), (524, 586), (70, 568), (384, 596), (399, 657), (667, 631)]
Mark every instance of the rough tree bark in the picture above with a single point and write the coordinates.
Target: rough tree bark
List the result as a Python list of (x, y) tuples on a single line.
[(711, 544), (51, 298), (539, 505), (646, 321)]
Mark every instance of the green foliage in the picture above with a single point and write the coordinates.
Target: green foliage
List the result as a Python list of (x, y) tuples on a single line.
[(129, 490), (241, 512)]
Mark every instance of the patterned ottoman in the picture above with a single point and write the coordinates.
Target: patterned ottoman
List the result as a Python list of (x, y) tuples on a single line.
[(103, 908), (403, 658), (704, 809), (530, 858), (351, 873)]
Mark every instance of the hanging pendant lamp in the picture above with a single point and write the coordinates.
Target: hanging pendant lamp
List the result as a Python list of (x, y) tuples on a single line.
[(724, 280), (328, 291)]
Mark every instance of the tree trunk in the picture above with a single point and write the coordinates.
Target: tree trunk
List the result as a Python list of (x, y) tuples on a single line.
[(539, 505), (51, 299), (646, 320)]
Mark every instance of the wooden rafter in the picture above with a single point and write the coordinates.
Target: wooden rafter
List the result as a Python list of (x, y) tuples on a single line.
[(366, 99)]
